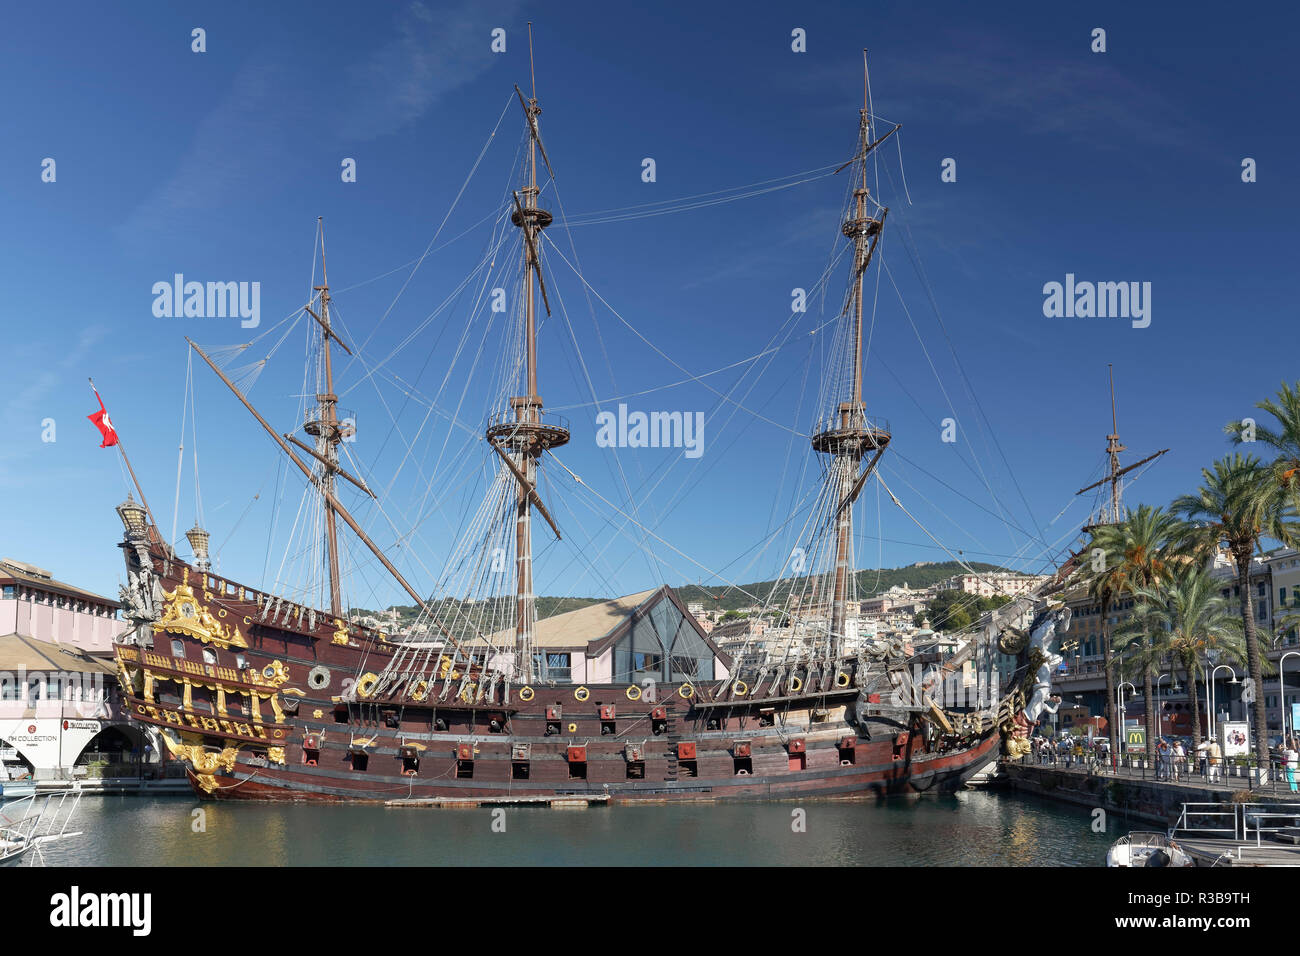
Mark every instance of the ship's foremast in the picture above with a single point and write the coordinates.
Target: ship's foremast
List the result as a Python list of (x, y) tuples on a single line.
[(328, 431)]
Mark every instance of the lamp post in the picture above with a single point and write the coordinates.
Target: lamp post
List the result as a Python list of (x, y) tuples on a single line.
[(1213, 695), (1119, 707)]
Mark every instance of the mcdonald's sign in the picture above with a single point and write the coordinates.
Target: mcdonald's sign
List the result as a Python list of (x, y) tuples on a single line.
[(1135, 740)]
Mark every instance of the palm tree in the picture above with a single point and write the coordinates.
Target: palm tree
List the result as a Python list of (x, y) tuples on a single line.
[(1103, 573), (1182, 619), (1283, 439), (1140, 549), (1239, 504)]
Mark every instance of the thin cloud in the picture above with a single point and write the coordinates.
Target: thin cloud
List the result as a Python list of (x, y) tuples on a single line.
[(272, 108), (972, 78)]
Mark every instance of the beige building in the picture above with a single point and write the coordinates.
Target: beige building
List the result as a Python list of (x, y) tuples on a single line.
[(993, 583)]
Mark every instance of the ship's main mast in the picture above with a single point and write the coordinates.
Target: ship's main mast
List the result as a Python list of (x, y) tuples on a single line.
[(521, 437), (850, 435), (328, 432)]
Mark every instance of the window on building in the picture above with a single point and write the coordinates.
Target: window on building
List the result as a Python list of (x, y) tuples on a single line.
[(1281, 596), (559, 666), (8, 592), (178, 647), (647, 662)]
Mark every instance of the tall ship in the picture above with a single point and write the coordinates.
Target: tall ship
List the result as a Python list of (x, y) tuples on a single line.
[(268, 696)]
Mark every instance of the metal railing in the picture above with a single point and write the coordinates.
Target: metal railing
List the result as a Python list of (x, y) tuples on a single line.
[(1236, 822), (1232, 773)]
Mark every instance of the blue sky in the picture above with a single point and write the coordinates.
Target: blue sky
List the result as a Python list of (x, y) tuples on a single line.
[(1115, 166)]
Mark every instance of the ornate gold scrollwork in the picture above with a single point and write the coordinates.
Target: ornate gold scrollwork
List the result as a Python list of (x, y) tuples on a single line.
[(183, 614), (205, 763), (272, 675)]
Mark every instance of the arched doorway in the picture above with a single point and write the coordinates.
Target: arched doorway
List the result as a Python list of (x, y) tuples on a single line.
[(13, 765), (113, 752)]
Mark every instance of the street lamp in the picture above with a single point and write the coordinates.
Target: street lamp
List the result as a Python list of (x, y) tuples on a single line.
[(1119, 705), (1212, 694)]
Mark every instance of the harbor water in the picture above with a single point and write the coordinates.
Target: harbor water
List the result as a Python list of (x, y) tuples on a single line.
[(973, 828)]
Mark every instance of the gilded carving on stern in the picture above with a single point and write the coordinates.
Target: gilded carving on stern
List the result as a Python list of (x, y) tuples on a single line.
[(272, 675), (183, 614)]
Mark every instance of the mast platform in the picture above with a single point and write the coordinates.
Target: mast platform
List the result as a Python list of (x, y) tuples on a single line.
[(537, 430), (851, 433)]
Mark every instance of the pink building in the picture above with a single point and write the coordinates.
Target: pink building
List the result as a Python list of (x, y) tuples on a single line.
[(59, 702), (33, 604)]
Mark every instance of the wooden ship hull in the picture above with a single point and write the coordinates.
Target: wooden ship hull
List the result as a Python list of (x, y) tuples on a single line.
[(274, 701), (261, 705)]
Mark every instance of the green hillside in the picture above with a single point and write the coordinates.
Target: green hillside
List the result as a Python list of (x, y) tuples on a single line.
[(721, 598), (870, 582), (546, 607)]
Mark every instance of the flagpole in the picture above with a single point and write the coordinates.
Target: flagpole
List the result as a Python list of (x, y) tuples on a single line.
[(153, 523)]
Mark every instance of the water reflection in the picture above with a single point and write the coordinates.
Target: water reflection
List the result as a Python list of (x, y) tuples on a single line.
[(966, 829)]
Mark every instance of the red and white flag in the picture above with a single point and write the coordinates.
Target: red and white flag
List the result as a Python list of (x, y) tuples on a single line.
[(102, 422)]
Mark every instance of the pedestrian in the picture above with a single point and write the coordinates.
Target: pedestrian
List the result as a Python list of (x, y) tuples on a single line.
[(1292, 762), (1180, 760), (1162, 760), (1215, 755)]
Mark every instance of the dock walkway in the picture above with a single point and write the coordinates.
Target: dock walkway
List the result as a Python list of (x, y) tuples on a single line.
[(1225, 852)]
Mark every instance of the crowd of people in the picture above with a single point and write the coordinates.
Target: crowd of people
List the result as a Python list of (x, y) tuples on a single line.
[(1070, 751), (1173, 758)]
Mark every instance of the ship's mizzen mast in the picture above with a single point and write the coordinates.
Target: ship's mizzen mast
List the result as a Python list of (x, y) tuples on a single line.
[(849, 435), (521, 436)]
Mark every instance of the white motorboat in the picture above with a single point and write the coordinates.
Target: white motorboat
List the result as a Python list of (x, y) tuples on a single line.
[(1147, 848)]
